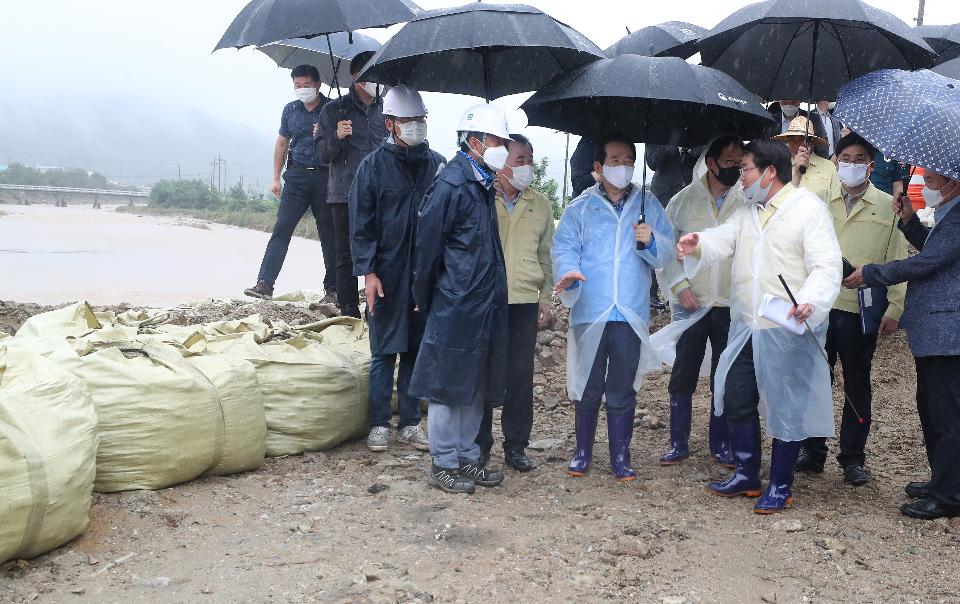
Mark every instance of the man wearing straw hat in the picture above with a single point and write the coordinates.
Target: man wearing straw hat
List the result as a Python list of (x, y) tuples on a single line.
[(810, 171)]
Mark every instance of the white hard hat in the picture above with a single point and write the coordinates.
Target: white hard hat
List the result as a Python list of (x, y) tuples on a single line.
[(489, 119), (403, 101)]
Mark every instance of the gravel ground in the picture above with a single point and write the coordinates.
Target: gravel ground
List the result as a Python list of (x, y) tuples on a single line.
[(348, 525)]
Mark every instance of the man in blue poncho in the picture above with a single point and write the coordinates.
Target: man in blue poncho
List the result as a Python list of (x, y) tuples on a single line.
[(608, 240)]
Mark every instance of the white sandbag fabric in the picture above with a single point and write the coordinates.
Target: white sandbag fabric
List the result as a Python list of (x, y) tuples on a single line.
[(48, 448), (75, 320)]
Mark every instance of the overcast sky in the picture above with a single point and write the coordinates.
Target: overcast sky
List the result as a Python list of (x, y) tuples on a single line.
[(131, 88)]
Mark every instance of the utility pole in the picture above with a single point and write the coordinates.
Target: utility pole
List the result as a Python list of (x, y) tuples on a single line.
[(219, 173), (179, 177), (920, 12)]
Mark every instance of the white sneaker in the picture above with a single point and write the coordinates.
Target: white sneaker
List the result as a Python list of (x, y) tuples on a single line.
[(413, 435), (378, 439)]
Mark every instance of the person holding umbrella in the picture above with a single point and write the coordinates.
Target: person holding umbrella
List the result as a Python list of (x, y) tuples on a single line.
[(781, 242), (603, 256), (930, 319), (349, 128), (383, 203), (865, 226), (460, 288), (700, 304), (810, 171), (304, 184)]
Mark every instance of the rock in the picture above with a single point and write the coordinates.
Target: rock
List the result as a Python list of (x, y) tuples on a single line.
[(539, 380), (325, 308), (544, 338), (558, 344), (550, 401), (157, 582), (653, 422), (673, 600), (78, 591), (206, 591), (539, 389), (787, 526), (546, 357), (832, 545), (543, 444), (770, 598), (633, 546), (377, 488)]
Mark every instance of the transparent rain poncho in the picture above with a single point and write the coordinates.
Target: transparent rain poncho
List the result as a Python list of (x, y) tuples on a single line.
[(693, 210), (799, 242), (594, 240)]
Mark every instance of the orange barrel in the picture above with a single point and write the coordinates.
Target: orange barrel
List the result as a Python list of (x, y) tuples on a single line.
[(915, 188)]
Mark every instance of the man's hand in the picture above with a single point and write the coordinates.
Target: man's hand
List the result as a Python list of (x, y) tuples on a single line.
[(344, 129), (888, 326), (316, 130), (546, 316), (855, 279), (688, 299), (567, 280), (688, 244), (801, 312), (803, 157), (643, 232), (276, 187), (903, 207), (373, 289)]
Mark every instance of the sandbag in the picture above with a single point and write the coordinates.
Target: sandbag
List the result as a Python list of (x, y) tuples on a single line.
[(161, 422), (48, 448), (70, 321), (314, 385)]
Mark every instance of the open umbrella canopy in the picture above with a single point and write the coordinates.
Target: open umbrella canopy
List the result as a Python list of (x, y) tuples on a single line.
[(951, 69), (911, 116), (316, 52), (945, 39), (264, 21), (807, 49), (485, 50), (662, 100), (670, 39)]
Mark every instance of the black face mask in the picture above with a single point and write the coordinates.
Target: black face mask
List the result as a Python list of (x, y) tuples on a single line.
[(728, 176)]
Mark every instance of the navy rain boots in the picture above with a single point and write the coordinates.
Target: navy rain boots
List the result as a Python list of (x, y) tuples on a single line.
[(620, 433), (745, 480), (585, 427), (720, 440), (681, 409), (779, 494)]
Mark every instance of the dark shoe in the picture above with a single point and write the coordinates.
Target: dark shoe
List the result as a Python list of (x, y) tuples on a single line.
[(809, 464), (585, 427), (681, 408), (518, 460), (855, 475), (620, 434), (481, 475), (329, 297), (262, 290), (720, 441), (449, 480), (918, 490), (745, 480), (929, 509), (779, 494), (484, 456)]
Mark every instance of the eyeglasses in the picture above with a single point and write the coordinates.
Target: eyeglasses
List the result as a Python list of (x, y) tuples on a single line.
[(745, 170)]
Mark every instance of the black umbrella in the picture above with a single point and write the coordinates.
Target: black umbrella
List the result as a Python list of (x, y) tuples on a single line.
[(951, 69), (807, 49), (316, 51), (670, 39), (945, 39), (485, 50), (265, 21), (661, 100)]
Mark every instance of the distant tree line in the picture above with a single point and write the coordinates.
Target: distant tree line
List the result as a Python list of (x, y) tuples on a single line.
[(197, 195), (19, 174)]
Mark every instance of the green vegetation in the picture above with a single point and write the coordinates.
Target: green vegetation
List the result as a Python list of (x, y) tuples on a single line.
[(18, 174), (548, 186)]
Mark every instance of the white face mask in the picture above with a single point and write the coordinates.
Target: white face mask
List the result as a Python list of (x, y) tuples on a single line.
[(522, 177), (932, 198), (495, 157), (307, 95), (789, 111), (618, 176), (757, 193), (374, 90), (852, 175), (413, 133)]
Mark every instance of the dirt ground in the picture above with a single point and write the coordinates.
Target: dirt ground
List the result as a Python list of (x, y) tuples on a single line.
[(348, 525)]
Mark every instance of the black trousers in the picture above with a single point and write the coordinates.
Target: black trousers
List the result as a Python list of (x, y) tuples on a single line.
[(846, 342), (614, 370), (346, 281), (938, 403), (741, 396), (302, 190), (516, 419), (692, 346)]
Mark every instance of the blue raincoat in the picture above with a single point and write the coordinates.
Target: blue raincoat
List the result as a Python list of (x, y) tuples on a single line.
[(596, 240)]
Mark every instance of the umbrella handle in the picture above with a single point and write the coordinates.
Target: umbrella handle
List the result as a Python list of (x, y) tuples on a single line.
[(643, 200)]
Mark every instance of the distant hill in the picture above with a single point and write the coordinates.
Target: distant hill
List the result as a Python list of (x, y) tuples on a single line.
[(19, 174)]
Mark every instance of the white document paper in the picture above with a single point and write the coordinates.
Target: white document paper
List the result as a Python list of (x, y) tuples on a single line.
[(775, 310)]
